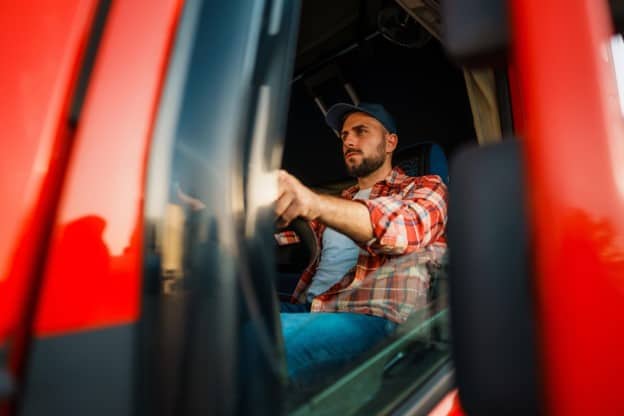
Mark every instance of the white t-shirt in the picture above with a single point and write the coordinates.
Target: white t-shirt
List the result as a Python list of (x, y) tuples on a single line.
[(338, 256)]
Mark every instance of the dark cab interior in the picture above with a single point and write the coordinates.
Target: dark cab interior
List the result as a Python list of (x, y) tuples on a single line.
[(382, 55), (372, 51)]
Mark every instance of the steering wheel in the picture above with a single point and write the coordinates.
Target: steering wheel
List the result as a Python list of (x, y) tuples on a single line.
[(306, 236)]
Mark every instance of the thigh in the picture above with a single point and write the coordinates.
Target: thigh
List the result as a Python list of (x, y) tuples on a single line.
[(318, 343)]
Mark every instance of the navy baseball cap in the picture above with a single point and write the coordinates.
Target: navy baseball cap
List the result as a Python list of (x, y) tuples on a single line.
[(338, 112)]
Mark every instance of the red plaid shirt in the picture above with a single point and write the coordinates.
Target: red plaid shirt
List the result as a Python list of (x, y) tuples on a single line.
[(409, 217)]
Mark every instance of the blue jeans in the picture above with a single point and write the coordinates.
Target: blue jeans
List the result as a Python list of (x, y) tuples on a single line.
[(318, 344)]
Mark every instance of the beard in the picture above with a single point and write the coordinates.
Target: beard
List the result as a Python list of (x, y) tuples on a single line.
[(369, 164)]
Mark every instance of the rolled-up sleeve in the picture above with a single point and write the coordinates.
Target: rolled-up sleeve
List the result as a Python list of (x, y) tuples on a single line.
[(410, 220)]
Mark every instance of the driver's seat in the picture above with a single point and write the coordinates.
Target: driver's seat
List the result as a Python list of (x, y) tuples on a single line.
[(425, 158)]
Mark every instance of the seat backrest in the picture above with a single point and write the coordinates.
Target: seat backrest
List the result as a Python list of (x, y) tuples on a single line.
[(425, 158)]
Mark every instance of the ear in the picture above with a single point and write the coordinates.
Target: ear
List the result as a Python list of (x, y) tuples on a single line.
[(392, 140)]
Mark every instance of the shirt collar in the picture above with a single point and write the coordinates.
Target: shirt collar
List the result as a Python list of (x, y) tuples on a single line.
[(396, 175)]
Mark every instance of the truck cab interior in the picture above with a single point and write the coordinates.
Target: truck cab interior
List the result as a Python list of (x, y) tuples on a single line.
[(321, 53), (381, 51), (372, 51), (375, 51)]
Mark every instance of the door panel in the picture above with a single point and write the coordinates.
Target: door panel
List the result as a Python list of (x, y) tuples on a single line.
[(86, 373), (41, 48), (93, 274), (82, 348), (202, 285)]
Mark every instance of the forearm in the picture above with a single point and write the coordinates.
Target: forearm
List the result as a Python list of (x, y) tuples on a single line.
[(391, 225), (345, 216), (348, 217)]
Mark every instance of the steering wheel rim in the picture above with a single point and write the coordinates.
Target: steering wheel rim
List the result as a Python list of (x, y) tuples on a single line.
[(306, 236)]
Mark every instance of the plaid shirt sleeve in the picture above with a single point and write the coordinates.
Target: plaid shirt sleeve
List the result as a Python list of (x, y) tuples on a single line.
[(407, 221)]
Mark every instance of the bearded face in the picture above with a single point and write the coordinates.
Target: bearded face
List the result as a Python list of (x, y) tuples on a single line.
[(365, 144), (360, 164)]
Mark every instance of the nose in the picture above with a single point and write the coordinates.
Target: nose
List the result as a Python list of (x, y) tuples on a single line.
[(348, 141)]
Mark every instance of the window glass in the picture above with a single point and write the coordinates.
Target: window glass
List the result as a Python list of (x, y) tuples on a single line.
[(427, 96), (208, 339), (390, 370)]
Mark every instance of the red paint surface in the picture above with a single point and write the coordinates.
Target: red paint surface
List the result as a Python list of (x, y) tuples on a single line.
[(94, 270), (517, 105), (448, 406), (41, 46), (574, 135)]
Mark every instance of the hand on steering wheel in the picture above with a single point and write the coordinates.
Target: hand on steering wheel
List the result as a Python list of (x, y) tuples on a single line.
[(294, 200)]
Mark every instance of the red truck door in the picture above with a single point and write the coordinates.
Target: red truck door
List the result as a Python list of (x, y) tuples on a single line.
[(80, 82)]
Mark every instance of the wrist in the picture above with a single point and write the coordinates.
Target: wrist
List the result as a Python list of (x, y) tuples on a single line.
[(317, 206)]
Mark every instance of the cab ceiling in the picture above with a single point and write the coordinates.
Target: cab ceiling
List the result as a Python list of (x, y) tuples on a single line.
[(328, 26)]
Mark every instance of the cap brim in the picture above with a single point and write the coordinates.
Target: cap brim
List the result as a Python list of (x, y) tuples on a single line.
[(337, 112)]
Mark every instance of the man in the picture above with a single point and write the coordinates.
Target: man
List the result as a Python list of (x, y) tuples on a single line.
[(351, 297)]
